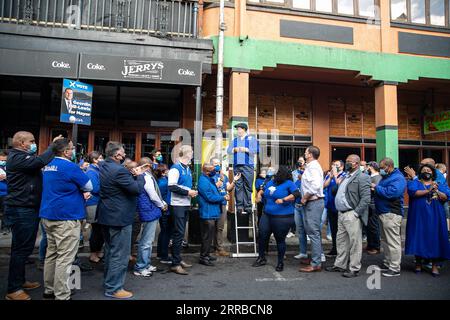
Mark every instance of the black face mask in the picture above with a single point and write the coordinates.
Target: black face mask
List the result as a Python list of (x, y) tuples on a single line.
[(369, 172), (348, 167), (425, 176)]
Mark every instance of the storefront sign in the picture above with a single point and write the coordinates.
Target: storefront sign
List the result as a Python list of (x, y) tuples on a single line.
[(38, 63), (104, 67), (438, 122), (76, 102)]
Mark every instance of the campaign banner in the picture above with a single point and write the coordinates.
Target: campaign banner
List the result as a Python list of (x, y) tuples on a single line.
[(438, 122), (76, 102)]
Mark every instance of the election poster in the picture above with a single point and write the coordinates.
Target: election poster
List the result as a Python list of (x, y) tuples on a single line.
[(76, 102)]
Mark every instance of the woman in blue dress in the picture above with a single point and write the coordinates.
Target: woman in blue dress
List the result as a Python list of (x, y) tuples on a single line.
[(426, 228), (279, 195)]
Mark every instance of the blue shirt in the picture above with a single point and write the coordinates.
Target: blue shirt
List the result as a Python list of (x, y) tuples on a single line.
[(296, 173), (164, 189), (272, 192), (243, 158), (331, 192), (3, 189), (389, 193), (223, 188), (93, 173), (62, 197)]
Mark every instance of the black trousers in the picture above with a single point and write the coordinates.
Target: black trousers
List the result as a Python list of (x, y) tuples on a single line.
[(207, 229), (373, 232), (96, 241), (333, 221)]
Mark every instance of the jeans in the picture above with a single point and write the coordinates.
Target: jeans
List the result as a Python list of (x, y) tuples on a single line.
[(333, 223), (117, 255), (135, 231), (180, 216), (208, 228), (280, 227), (313, 214), (244, 187), (165, 233), (373, 230), (300, 229), (145, 245), (2, 214), (24, 223), (42, 243)]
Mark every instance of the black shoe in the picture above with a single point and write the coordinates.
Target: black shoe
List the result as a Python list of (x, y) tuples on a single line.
[(247, 211), (279, 267), (334, 269), (240, 211), (350, 274), (84, 267), (206, 262), (212, 258), (259, 262), (332, 253), (51, 296), (185, 244)]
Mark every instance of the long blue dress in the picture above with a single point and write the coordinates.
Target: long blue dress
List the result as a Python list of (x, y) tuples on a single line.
[(426, 228)]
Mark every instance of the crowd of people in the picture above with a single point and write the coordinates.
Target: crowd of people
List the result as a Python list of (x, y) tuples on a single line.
[(121, 202)]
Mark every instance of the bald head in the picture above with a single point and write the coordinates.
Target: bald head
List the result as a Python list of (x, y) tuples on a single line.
[(429, 161), (23, 140), (354, 158)]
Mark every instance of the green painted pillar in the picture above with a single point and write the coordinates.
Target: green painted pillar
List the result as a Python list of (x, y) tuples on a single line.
[(386, 121)]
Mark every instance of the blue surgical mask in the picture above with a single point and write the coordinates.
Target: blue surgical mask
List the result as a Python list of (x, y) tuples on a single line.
[(212, 174), (383, 172), (217, 168), (270, 173), (74, 155), (33, 148), (2, 163)]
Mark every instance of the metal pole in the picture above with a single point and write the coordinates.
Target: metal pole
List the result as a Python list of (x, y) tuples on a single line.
[(219, 94), (195, 27), (75, 136), (198, 135)]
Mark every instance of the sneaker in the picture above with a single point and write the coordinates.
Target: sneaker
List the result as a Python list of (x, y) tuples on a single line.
[(143, 273), (81, 244), (301, 256), (391, 273), (290, 235), (331, 254), (329, 238), (185, 244), (323, 258), (152, 269), (121, 294), (382, 267)]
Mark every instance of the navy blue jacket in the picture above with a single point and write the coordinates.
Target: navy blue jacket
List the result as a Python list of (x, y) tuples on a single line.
[(93, 173), (210, 199), (118, 194), (389, 193)]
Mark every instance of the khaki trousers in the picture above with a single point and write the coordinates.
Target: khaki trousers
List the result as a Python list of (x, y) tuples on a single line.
[(391, 240), (349, 241), (220, 225), (62, 246)]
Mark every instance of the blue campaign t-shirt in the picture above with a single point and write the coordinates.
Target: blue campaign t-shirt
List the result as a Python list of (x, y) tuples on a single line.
[(223, 188), (62, 198), (272, 192)]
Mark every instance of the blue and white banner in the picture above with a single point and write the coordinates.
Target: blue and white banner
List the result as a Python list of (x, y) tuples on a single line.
[(76, 102)]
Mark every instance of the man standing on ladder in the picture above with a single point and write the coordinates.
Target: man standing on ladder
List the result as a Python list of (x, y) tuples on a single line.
[(242, 150)]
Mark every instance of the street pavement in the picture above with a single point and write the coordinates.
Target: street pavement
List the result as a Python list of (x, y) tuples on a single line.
[(236, 279)]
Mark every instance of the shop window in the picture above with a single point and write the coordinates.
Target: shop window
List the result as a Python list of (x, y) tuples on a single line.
[(435, 154), (166, 148), (100, 140), (148, 144), (408, 157), (370, 154), (341, 153), (129, 142), (437, 12), (418, 11)]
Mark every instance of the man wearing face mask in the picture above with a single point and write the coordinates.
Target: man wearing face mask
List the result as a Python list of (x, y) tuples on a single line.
[(300, 167), (23, 169), (389, 205), (119, 189), (352, 202), (65, 189), (224, 186)]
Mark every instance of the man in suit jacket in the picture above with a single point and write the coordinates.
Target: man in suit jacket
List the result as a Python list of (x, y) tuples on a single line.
[(352, 202), (67, 106), (119, 189)]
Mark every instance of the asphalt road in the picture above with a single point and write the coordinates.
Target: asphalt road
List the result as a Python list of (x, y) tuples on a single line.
[(235, 279)]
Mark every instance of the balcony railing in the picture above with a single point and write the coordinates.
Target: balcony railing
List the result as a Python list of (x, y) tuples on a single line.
[(164, 18)]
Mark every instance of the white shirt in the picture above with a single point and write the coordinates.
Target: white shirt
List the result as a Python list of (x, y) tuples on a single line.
[(150, 188), (312, 179)]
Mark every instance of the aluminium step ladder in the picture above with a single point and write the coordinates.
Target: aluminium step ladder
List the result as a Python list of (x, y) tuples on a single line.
[(239, 254)]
